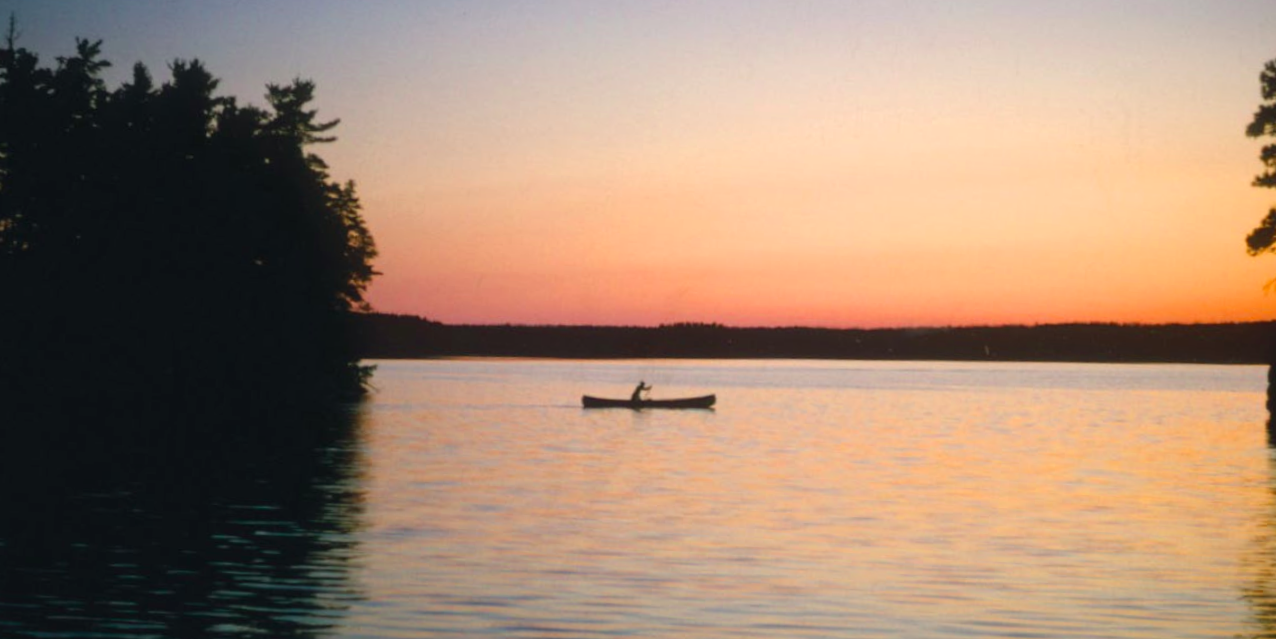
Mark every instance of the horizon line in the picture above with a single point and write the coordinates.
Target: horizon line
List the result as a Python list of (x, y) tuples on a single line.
[(719, 325)]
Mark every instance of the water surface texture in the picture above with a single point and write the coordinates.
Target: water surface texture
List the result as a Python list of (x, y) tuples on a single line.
[(475, 498)]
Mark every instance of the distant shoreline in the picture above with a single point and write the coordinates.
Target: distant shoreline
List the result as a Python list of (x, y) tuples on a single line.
[(385, 336)]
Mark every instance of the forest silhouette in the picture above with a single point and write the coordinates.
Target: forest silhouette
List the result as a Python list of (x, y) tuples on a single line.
[(163, 244), (384, 336)]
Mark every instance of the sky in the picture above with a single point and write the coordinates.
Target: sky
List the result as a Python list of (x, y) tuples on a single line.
[(842, 164)]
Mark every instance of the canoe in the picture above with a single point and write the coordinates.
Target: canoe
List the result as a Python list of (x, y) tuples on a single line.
[(686, 402)]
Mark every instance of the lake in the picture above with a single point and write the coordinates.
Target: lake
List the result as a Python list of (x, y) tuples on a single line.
[(476, 498)]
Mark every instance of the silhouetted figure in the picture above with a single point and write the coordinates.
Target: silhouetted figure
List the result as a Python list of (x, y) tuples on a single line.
[(637, 396)]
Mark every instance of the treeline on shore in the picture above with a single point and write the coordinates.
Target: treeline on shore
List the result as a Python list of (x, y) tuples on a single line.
[(384, 336)]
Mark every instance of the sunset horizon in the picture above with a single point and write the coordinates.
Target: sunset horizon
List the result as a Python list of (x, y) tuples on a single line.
[(832, 165), (819, 327)]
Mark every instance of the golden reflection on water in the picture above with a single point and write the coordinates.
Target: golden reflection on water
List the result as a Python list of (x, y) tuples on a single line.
[(950, 501)]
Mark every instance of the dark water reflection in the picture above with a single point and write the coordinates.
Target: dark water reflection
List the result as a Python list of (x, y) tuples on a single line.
[(113, 528), (1261, 562)]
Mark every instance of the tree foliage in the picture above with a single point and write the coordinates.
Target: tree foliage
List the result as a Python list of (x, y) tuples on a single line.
[(1263, 238), (167, 242)]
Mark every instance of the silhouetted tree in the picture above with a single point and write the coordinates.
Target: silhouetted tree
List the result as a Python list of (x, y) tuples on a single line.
[(1263, 238), (168, 243)]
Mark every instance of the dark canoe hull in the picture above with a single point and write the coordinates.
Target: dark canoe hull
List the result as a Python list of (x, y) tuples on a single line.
[(689, 402)]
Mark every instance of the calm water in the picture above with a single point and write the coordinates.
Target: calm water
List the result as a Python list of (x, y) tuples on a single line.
[(475, 498)]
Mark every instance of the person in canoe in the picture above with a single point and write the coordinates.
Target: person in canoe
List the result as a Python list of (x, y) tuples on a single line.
[(637, 396)]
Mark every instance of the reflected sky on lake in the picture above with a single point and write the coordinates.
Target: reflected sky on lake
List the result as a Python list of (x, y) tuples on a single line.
[(476, 498), (817, 499)]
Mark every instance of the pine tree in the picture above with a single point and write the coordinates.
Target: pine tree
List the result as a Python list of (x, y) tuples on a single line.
[(1263, 238)]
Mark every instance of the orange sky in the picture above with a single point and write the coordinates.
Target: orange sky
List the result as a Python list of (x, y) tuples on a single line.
[(818, 163)]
